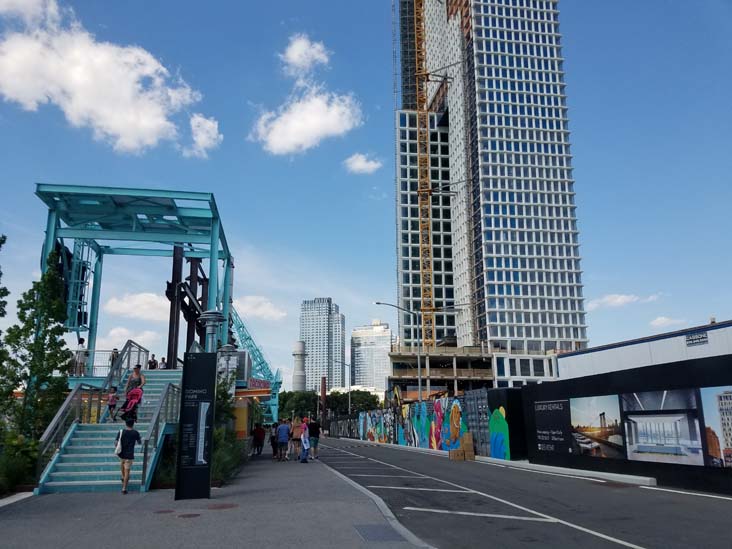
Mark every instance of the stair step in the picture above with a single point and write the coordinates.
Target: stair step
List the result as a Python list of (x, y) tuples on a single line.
[(93, 475), (84, 466), (99, 458), (89, 486), (93, 450)]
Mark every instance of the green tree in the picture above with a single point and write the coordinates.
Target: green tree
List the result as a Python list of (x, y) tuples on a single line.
[(300, 403), (36, 351), (360, 401), (3, 303)]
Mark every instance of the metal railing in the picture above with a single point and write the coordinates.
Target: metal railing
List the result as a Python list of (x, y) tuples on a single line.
[(85, 404), (102, 361), (167, 411)]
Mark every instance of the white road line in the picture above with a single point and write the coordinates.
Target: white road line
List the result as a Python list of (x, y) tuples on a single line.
[(526, 509), (491, 464), (390, 476), (469, 514), (420, 489), (685, 493)]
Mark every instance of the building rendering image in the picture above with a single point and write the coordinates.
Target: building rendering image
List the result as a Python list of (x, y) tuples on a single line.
[(506, 274), (322, 329)]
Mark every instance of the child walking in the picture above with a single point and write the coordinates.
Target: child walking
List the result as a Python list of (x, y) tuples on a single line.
[(112, 403)]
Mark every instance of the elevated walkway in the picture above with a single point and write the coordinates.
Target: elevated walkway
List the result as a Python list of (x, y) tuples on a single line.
[(77, 450)]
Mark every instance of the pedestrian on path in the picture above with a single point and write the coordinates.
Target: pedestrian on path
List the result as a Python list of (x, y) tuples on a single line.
[(163, 364), (296, 434), (125, 446), (290, 444), (259, 435), (112, 403), (152, 364), (304, 441), (273, 440), (314, 433), (283, 436)]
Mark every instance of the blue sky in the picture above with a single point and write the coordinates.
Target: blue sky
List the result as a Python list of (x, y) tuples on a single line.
[(648, 85)]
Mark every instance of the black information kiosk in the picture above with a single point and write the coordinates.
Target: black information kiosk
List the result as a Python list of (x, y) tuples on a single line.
[(195, 429)]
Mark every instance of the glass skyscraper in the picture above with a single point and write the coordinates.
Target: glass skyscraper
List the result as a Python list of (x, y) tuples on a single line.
[(370, 347), (505, 238), (322, 328)]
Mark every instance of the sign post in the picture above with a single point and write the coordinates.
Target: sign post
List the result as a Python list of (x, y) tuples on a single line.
[(195, 427)]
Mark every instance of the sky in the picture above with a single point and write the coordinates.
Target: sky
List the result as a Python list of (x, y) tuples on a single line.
[(586, 411), (286, 115)]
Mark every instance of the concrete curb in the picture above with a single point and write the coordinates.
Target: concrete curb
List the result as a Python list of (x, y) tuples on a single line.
[(526, 466), (408, 536), (20, 496)]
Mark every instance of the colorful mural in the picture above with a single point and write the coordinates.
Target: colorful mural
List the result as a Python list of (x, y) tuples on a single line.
[(498, 428), (436, 425)]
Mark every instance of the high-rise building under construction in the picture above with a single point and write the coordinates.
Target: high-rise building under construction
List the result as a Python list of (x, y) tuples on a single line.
[(505, 264)]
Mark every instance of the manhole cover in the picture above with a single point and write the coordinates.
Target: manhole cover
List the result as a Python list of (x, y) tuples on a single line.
[(377, 533), (219, 506), (163, 511), (189, 515)]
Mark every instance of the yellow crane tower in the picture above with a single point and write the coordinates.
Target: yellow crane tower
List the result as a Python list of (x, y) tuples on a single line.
[(424, 188)]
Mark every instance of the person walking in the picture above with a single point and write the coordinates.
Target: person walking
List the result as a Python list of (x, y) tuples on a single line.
[(163, 364), (136, 380), (258, 438), (283, 436), (314, 433), (80, 358), (304, 441), (296, 435), (112, 403), (290, 443), (152, 364), (125, 446), (273, 440)]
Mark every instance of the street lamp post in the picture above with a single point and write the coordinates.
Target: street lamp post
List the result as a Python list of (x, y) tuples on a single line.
[(415, 317)]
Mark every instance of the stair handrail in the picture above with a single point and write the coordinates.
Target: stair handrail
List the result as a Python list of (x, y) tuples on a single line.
[(82, 405), (167, 411), (124, 363)]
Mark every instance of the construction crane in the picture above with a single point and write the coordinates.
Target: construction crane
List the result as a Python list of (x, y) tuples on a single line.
[(424, 186), (260, 366)]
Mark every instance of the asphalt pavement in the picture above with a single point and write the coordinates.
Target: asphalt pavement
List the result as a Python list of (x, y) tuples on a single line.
[(269, 504), (451, 504)]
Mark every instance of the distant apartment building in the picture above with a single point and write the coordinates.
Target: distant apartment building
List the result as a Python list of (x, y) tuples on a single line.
[(370, 347), (322, 328), (505, 242), (724, 403)]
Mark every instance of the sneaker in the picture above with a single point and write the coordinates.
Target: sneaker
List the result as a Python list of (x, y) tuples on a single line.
[(124, 492)]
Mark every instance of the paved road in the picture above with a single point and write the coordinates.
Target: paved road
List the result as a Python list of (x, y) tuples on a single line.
[(279, 505), (472, 504)]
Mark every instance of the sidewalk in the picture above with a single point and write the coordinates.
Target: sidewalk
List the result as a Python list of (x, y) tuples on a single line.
[(269, 504)]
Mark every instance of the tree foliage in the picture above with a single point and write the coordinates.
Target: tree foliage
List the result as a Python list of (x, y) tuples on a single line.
[(299, 403), (3, 303), (36, 350), (360, 401)]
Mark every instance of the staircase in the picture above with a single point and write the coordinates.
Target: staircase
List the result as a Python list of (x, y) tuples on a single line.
[(85, 460)]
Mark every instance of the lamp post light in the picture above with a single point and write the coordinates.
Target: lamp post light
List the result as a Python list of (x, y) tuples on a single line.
[(350, 382), (415, 317)]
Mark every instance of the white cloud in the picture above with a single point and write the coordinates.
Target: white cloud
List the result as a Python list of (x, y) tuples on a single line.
[(122, 93), (30, 11), (205, 132), (361, 164), (310, 115), (665, 322), (302, 55), (141, 306), (118, 336), (257, 306), (619, 300)]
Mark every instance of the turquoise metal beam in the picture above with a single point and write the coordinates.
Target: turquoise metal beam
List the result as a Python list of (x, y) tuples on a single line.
[(213, 268), (215, 210), (103, 209), (46, 188), (149, 252), (228, 296), (94, 311), (50, 242), (137, 236)]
